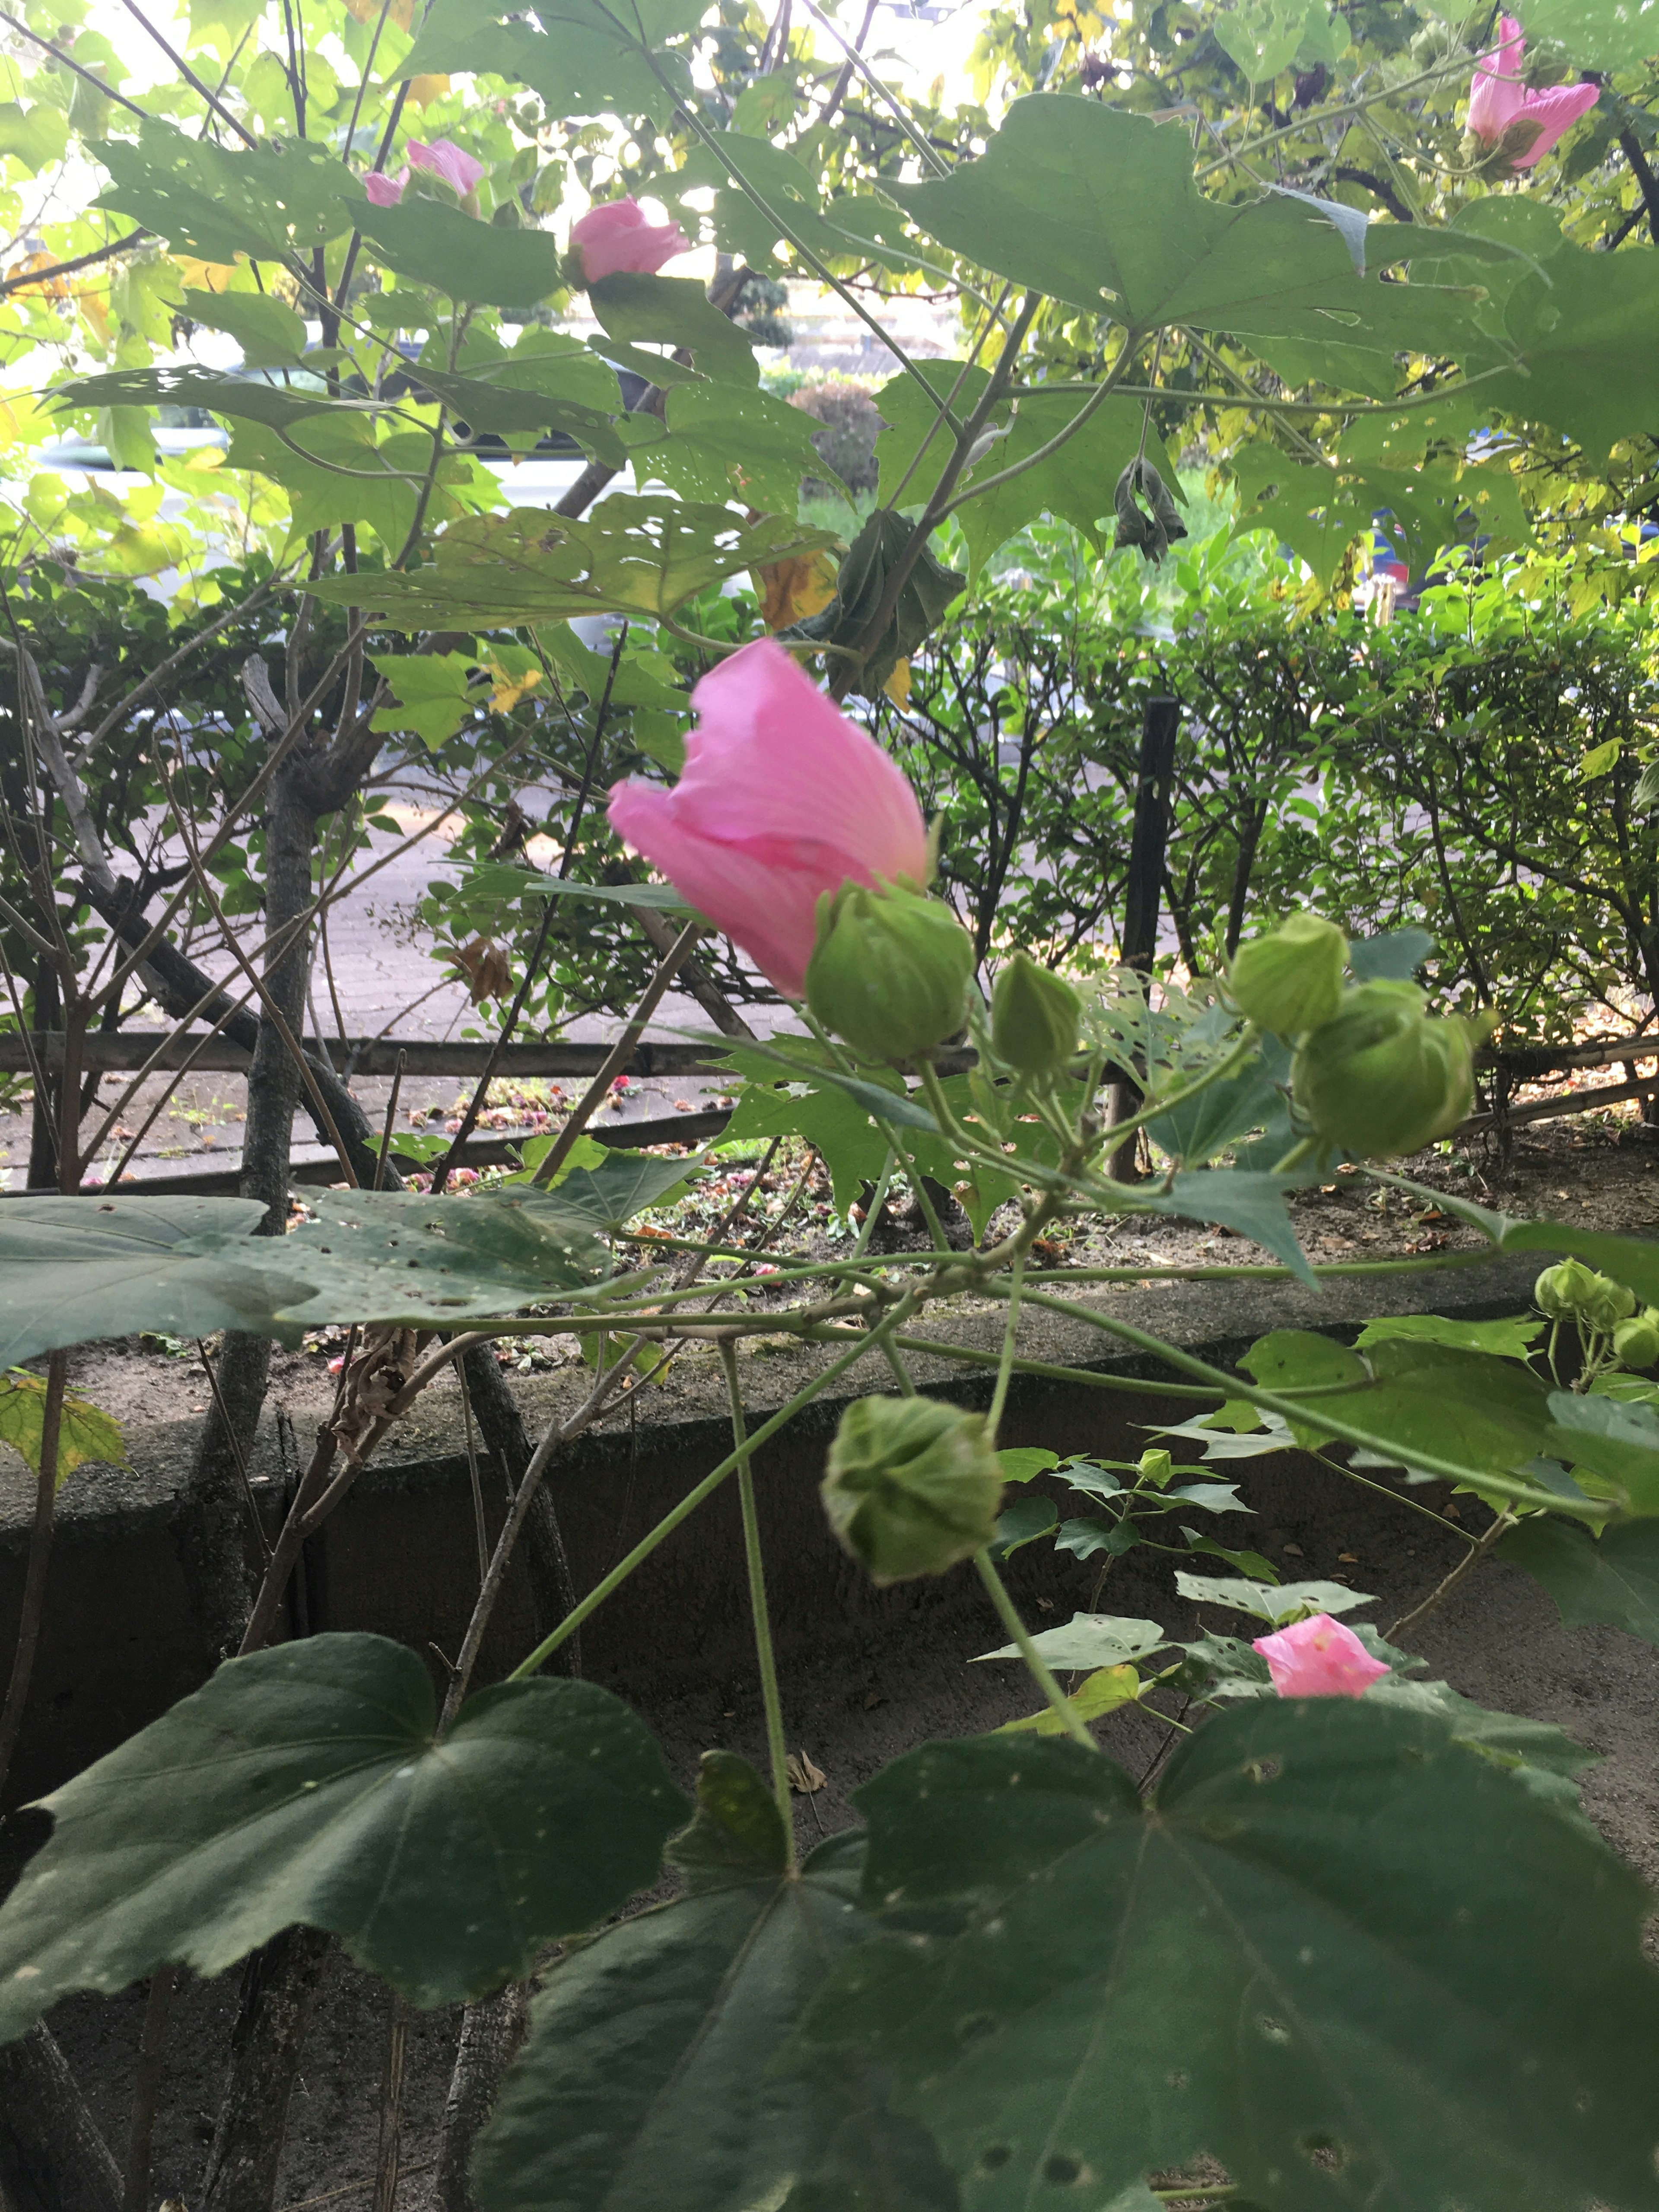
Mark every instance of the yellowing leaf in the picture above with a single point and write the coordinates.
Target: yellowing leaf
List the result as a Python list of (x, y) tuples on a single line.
[(423, 90), (793, 589), (1598, 760), (83, 1433), (401, 12), (897, 686), (204, 275), (509, 688), (1102, 1693)]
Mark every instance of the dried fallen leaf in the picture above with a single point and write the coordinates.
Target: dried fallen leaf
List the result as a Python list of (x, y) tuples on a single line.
[(804, 1775)]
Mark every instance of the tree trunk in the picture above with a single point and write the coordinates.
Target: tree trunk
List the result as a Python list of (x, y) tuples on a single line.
[(50, 2146), (279, 1985), (1148, 840), (490, 2033)]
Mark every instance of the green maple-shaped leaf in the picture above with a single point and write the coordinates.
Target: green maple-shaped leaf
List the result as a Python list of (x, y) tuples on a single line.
[(642, 556), (1099, 207), (456, 254), (1613, 1576), (655, 2078), (205, 200), (84, 1430), (725, 442), (1355, 1962), (303, 1786)]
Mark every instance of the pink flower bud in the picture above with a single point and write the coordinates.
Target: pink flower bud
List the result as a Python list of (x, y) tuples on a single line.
[(781, 799), (1318, 1658), (444, 159), (385, 191), (616, 237)]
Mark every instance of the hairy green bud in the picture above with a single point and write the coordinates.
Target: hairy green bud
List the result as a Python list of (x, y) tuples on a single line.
[(1156, 1467), (1035, 1017), (1563, 1292), (912, 1486), (1609, 1303), (1636, 1341), (1290, 982), (889, 972), (1383, 1077)]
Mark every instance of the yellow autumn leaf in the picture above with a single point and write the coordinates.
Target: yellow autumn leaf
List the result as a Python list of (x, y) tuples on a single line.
[(401, 12), (1106, 1689), (793, 589), (897, 686), (204, 276), (423, 90), (509, 689)]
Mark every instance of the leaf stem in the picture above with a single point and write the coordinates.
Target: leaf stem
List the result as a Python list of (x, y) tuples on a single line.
[(1058, 1701), (766, 1658)]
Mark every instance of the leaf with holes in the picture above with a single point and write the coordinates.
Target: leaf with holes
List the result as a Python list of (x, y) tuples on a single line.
[(1342, 1955), (479, 262), (725, 442), (582, 58), (1089, 1640), (1286, 1601), (677, 312), (637, 556), (208, 202), (652, 2081), (302, 1786)]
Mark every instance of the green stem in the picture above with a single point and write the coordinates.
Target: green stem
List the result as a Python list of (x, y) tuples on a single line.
[(1294, 1158), (867, 1227), (1005, 1362), (766, 1658), (901, 1374), (1055, 1697), (705, 1489)]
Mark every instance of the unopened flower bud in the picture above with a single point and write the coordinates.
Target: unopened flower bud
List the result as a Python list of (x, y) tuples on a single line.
[(912, 1487), (1156, 1467), (1035, 1016), (1290, 982), (1383, 1077), (890, 971), (1564, 1291), (1608, 1304), (1636, 1341)]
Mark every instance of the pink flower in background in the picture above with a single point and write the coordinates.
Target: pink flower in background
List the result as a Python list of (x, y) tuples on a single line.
[(1318, 1658), (1498, 101), (617, 237), (443, 158), (781, 799)]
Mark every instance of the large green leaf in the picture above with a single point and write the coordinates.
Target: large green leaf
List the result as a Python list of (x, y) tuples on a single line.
[(1481, 1411), (676, 312), (1075, 485), (928, 591), (1602, 34), (304, 1785), (480, 262), (1089, 1640), (1248, 1202), (75, 1269), (279, 406), (1611, 1577), (206, 201), (783, 182), (1098, 207), (651, 2080), (335, 469), (514, 395), (1345, 1957), (72, 1269), (1311, 510), (638, 556), (1612, 1449), (725, 443), (608, 1196), (584, 59)]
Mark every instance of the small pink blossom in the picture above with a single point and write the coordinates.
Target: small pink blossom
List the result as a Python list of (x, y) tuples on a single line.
[(1498, 101), (1318, 1658), (781, 799), (383, 191), (616, 237)]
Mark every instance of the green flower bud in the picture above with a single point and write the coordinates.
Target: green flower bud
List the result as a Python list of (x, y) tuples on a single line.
[(1290, 982), (912, 1487), (1608, 1304), (1565, 1290), (1383, 1077), (1636, 1341), (1156, 1467), (889, 972), (1035, 1016)]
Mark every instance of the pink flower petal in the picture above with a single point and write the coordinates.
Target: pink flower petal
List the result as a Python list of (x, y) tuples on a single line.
[(1557, 109), (1497, 95), (385, 191), (781, 799), (444, 159), (616, 237), (1318, 1658)]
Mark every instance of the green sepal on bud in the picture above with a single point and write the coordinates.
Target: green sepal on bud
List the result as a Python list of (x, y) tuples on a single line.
[(1562, 1292), (890, 970), (1636, 1341), (1383, 1077), (1290, 982), (1609, 1303), (1034, 1018), (912, 1486), (1156, 1468)]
